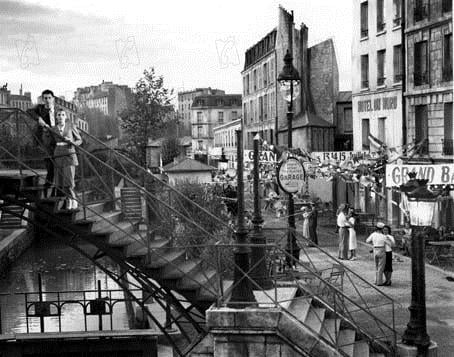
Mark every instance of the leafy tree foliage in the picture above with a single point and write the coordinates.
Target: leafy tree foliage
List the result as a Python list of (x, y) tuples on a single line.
[(170, 149), (148, 114)]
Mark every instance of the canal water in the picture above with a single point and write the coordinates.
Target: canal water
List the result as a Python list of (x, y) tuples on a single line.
[(62, 269)]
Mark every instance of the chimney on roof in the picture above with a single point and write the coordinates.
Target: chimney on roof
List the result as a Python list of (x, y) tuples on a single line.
[(20, 90)]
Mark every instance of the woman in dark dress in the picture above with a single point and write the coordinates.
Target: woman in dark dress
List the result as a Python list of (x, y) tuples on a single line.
[(389, 244)]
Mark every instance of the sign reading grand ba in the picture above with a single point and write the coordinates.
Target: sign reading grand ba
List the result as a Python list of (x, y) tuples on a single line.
[(397, 175), (291, 175)]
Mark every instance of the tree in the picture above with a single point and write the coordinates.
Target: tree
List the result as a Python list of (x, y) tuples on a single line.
[(170, 149), (147, 115)]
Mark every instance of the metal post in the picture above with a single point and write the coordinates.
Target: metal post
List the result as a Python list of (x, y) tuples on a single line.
[(99, 297), (259, 272), (416, 332), (242, 295), (292, 247), (40, 294)]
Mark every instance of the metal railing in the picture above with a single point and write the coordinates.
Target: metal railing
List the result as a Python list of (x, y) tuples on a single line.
[(421, 78), (381, 81)]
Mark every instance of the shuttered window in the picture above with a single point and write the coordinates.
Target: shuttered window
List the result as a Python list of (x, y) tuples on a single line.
[(365, 71), (421, 64), (397, 63), (364, 19), (381, 56)]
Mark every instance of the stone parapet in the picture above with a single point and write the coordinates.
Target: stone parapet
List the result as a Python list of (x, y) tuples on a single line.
[(263, 332)]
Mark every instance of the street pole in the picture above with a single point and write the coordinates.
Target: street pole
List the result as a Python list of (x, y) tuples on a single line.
[(292, 248), (242, 295), (416, 332), (259, 272)]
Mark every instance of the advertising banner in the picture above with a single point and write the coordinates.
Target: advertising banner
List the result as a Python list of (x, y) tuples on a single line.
[(440, 174)]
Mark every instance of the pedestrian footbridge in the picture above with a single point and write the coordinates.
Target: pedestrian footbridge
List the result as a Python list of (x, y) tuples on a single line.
[(180, 254)]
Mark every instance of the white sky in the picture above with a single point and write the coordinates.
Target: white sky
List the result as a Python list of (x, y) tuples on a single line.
[(63, 45)]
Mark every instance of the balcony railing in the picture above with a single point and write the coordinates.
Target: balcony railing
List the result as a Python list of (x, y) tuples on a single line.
[(421, 78), (447, 146), (381, 81), (397, 22), (420, 13), (447, 73), (365, 84), (364, 33), (398, 78), (381, 26)]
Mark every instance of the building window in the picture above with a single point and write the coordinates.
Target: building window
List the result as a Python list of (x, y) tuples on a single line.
[(265, 74), (421, 10), (234, 115), (364, 19), (272, 71), (397, 11), (200, 145), (365, 71), (247, 84), (447, 140), (220, 117), (380, 15), (365, 130), (446, 6), (255, 80), (199, 131), (265, 106), (381, 55), (260, 108), (245, 113), (397, 63), (421, 128), (199, 117), (447, 57), (421, 73), (348, 120)]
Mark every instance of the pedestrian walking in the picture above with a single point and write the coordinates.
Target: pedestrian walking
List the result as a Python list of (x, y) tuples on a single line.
[(66, 137), (313, 221), (389, 244), (352, 243), (343, 225), (378, 240), (44, 114)]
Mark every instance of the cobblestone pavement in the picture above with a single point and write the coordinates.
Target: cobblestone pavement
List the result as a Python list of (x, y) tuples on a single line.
[(439, 291)]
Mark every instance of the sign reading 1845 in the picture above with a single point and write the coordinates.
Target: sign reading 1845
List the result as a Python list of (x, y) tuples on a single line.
[(370, 105)]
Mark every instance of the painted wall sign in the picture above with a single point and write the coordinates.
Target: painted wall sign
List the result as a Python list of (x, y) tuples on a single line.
[(291, 175), (397, 175), (264, 156), (376, 104)]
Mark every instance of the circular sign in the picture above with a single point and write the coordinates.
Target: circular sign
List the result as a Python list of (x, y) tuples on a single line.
[(291, 175)]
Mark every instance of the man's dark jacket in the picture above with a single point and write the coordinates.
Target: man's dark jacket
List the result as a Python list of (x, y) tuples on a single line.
[(41, 135)]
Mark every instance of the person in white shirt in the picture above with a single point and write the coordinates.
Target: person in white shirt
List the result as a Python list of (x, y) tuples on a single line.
[(378, 240), (343, 224), (389, 244)]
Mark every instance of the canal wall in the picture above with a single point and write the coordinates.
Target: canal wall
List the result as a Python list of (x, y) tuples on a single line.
[(12, 244)]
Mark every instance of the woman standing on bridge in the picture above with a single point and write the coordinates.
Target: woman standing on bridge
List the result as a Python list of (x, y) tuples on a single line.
[(66, 137)]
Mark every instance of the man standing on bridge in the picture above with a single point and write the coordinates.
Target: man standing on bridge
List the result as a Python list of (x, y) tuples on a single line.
[(45, 116)]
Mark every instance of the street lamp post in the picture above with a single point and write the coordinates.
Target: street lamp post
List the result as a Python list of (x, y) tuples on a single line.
[(289, 81), (242, 294), (259, 272), (421, 205)]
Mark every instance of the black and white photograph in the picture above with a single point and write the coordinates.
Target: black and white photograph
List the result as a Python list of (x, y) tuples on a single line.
[(226, 178)]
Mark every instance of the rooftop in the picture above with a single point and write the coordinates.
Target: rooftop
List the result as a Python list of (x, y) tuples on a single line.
[(226, 100)]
